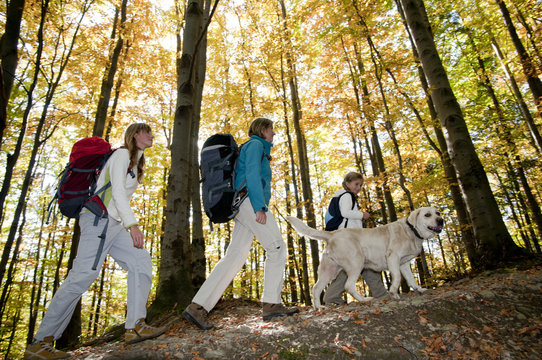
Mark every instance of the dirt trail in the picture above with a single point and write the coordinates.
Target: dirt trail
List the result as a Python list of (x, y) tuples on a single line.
[(496, 315)]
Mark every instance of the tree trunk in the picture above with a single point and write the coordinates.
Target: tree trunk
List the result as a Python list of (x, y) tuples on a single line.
[(529, 69), (301, 144), (175, 279), (11, 269), (9, 56), (53, 84), (198, 241), (303, 276), (465, 226), (535, 134), (290, 241), (12, 158), (110, 71), (496, 243)]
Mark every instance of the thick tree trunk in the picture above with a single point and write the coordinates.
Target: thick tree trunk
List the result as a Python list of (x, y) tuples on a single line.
[(496, 243), (465, 226), (198, 241), (175, 280)]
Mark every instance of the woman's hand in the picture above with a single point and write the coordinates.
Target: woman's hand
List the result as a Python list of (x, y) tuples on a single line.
[(261, 218), (366, 216), (137, 236)]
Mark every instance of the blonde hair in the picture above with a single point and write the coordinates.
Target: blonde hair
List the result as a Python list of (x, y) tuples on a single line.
[(258, 125), (130, 144), (351, 176)]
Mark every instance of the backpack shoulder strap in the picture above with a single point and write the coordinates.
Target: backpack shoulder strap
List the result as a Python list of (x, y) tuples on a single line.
[(353, 198)]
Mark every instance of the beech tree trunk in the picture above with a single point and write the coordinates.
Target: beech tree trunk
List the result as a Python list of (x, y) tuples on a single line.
[(495, 243), (465, 226), (198, 241), (175, 284)]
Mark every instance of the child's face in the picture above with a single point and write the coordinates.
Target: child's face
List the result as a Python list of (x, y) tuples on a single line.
[(354, 185)]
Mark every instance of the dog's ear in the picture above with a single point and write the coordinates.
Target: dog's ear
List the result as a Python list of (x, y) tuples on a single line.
[(413, 217)]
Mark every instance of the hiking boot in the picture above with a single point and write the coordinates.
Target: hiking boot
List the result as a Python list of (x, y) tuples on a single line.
[(197, 315), (142, 331), (44, 350), (275, 310)]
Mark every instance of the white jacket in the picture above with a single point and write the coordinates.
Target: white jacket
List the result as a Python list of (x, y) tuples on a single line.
[(354, 216), (123, 184)]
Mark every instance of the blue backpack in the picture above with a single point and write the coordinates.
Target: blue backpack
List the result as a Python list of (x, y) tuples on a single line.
[(333, 216)]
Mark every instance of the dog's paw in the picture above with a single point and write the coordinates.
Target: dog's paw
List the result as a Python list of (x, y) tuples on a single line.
[(421, 290), (394, 295)]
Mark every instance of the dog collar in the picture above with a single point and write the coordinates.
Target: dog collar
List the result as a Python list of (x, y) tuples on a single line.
[(414, 230)]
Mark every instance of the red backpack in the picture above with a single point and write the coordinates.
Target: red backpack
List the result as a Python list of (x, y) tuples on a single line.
[(76, 188)]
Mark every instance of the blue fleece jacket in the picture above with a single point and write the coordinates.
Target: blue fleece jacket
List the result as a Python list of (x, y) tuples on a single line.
[(253, 166)]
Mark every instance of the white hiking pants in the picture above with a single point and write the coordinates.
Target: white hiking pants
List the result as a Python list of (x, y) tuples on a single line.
[(244, 230), (119, 244)]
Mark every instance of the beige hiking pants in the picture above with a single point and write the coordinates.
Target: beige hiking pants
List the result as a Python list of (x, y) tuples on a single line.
[(244, 231)]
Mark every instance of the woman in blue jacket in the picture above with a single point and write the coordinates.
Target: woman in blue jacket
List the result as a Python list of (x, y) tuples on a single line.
[(254, 219)]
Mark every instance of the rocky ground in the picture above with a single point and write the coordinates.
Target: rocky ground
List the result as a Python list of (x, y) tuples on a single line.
[(495, 315)]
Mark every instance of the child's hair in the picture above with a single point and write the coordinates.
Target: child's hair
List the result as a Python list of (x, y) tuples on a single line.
[(351, 176), (130, 144), (258, 125)]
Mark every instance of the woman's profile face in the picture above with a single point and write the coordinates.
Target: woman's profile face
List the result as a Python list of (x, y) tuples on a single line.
[(143, 139), (268, 134)]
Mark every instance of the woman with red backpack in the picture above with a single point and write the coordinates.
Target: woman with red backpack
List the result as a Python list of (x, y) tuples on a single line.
[(124, 241)]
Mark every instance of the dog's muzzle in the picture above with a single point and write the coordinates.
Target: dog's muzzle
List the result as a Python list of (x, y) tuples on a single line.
[(438, 228)]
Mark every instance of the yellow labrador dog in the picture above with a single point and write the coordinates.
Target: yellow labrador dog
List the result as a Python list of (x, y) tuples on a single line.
[(388, 247)]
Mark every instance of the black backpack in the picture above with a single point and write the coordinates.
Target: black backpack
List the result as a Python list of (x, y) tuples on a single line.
[(333, 216), (221, 200)]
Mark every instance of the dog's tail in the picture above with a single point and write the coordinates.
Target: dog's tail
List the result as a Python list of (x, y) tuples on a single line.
[(304, 230)]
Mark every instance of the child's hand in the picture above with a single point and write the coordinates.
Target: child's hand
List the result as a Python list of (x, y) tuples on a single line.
[(366, 215)]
